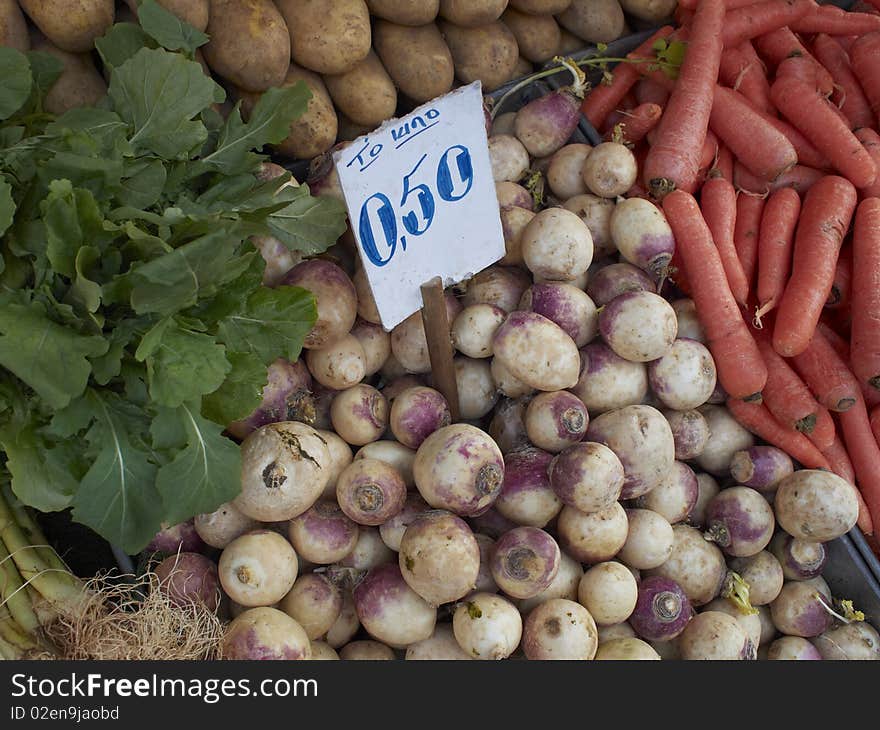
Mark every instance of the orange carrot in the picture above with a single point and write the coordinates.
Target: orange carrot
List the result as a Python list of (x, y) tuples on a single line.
[(775, 243), (648, 91), (761, 18), (724, 163), (709, 153), (871, 142), (718, 204), (800, 179), (824, 221), (848, 95), (875, 423), (835, 21), (635, 124), (839, 343), (827, 376), (864, 453), (865, 60), (678, 275), (778, 45), (841, 465), (674, 159), (841, 284), (756, 418), (803, 68), (807, 153), (865, 337), (749, 209), (741, 370), (742, 70), (729, 4)]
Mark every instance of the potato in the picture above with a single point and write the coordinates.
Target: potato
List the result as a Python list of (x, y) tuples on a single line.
[(13, 26), (536, 35), (72, 25), (540, 7), (249, 45), (487, 52), (315, 131), (652, 11), (80, 84), (523, 67), (418, 59), (366, 93), (405, 12), (471, 13), (596, 21), (568, 43), (327, 37), (348, 130), (194, 12)]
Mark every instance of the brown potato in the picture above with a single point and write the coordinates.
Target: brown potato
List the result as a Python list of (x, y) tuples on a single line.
[(568, 43), (595, 21), (366, 93), (470, 13), (652, 11), (523, 68), (315, 130), (194, 12), (405, 12), (327, 37), (536, 35), (249, 45), (80, 83), (540, 7), (348, 130), (13, 27), (488, 53), (72, 25), (418, 59)]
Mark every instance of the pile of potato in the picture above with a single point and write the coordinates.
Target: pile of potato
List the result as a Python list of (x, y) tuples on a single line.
[(362, 59)]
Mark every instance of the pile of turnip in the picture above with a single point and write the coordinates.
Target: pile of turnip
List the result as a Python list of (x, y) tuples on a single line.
[(595, 501)]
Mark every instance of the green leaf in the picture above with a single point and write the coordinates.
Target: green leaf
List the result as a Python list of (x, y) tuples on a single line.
[(50, 358), (85, 293), (308, 224), (73, 219), (69, 421), (109, 365), (159, 93), (168, 30), (241, 392), (272, 324), (167, 430), (269, 123), (7, 206), (121, 42), (45, 70), (17, 81), (45, 475), (143, 182), (202, 476)]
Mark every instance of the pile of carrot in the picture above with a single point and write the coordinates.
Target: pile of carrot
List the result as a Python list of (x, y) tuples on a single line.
[(764, 154)]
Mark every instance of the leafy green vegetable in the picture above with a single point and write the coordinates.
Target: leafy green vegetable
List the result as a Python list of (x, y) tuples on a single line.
[(17, 81), (168, 30)]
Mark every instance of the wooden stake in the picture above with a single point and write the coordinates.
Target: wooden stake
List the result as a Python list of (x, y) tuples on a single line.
[(440, 350)]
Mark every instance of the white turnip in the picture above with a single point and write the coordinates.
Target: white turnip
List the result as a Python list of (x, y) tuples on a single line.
[(223, 525), (368, 552), (564, 171), (802, 609), (560, 629), (314, 602), (376, 344), (323, 534), (366, 303), (339, 365), (609, 170), (638, 325), (390, 610), (258, 569), (798, 559), (508, 158), (510, 194), (749, 620), (613, 280), (513, 222), (335, 295), (595, 212), (525, 561), (626, 649), (649, 540), (587, 476), (606, 381), (557, 245), (614, 631), (707, 488), (815, 505), (370, 491), (409, 343), (725, 439), (794, 648), (690, 433), (366, 650), (564, 585), (684, 377), (359, 414), (763, 575), (477, 392), (566, 305), (609, 592), (642, 235), (439, 646), (695, 564), (526, 496), (340, 457), (556, 420), (391, 531), (761, 467), (688, 323), (474, 328), (854, 641), (265, 633), (675, 496), (322, 651), (662, 609), (715, 636), (416, 413), (501, 286), (740, 521), (487, 626), (592, 538)]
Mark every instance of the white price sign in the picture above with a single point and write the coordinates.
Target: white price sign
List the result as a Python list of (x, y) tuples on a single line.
[(421, 200)]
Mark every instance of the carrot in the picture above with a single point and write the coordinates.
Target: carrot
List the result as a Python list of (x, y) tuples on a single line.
[(742, 70), (845, 41), (865, 60), (756, 418), (842, 466), (807, 153), (775, 243), (709, 153), (718, 204), (748, 22), (729, 4), (824, 221), (759, 146), (819, 121), (741, 370), (871, 142), (871, 396), (835, 21), (805, 69), (800, 179), (827, 376), (724, 163), (864, 453), (749, 209), (635, 124), (875, 423), (823, 433), (837, 342), (848, 95), (648, 91), (865, 338), (674, 159), (778, 45), (839, 297), (866, 6), (678, 275)]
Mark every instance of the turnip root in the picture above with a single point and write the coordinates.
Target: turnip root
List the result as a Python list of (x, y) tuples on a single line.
[(322, 651), (639, 326), (718, 397), (537, 351), (614, 631), (323, 534), (802, 609), (662, 609), (507, 383), (392, 530), (739, 521), (556, 420), (409, 343), (606, 381), (370, 491), (339, 365), (595, 212), (335, 296), (799, 559), (503, 124), (715, 636), (648, 542), (609, 592), (513, 222), (854, 641), (223, 525), (688, 323), (459, 468), (815, 505), (323, 398), (485, 583), (390, 610), (258, 569), (626, 649), (393, 453), (487, 626), (359, 414), (592, 538), (477, 392), (560, 629), (763, 574), (684, 377), (526, 497), (265, 633), (441, 645), (314, 602), (761, 467), (609, 170), (474, 328), (794, 648), (501, 286), (768, 628), (749, 620), (376, 344), (525, 561), (564, 585), (508, 158), (613, 280), (439, 557), (366, 303), (587, 476), (507, 427), (641, 438), (690, 433), (340, 457), (188, 578), (725, 439), (695, 564), (643, 236), (557, 245), (567, 306), (368, 552), (399, 384), (366, 650), (346, 625), (707, 488), (416, 413), (283, 471), (675, 496), (510, 194), (564, 170), (545, 124)]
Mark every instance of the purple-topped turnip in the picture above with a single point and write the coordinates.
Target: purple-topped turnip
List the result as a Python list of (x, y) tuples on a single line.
[(638, 325), (675, 496), (690, 433), (526, 497), (265, 633), (314, 602), (176, 538), (346, 625), (323, 534), (491, 523), (626, 649), (508, 158), (696, 564), (223, 525), (366, 650), (794, 648), (366, 303), (322, 651), (726, 437), (564, 171), (513, 222), (416, 413), (501, 286), (648, 542), (359, 414), (338, 365), (487, 626), (707, 488), (592, 538), (409, 344), (748, 619), (740, 521), (613, 280), (370, 491), (474, 328), (368, 552), (567, 306), (556, 420), (763, 574), (609, 592), (643, 236), (340, 457), (560, 629), (816, 505), (587, 476), (684, 377), (610, 170), (510, 194), (393, 453), (761, 467), (439, 646), (390, 610), (188, 578), (477, 391), (376, 344), (606, 381), (507, 427), (595, 212), (335, 296), (802, 608), (258, 569), (688, 323), (507, 384), (525, 561), (715, 636), (393, 528), (662, 609), (557, 245), (545, 124), (537, 351), (799, 559), (857, 640)]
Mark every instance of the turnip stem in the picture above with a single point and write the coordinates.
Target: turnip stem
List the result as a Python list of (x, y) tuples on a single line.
[(32, 531), (13, 597)]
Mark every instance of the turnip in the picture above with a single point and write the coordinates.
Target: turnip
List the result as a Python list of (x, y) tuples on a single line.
[(695, 564), (854, 641), (507, 427), (503, 123), (739, 521), (368, 552), (258, 569), (566, 305), (485, 583), (816, 505), (802, 609), (715, 636), (688, 323), (366, 650), (544, 124), (606, 381), (391, 531), (439, 557), (176, 538), (684, 377), (788, 648), (557, 245), (592, 538), (609, 170), (223, 525), (359, 414), (189, 578), (718, 397), (323, 534), (626, 649), (690, 432), (638, 325), (265, 633), (587, 476), (560, 629), (339, 365), (508, 158), (474, 328), (501, 286), (525, 561), (556, 420), (564, 585), (513, 222), (322, 651), (707, 488), (390, 610), (370, 491), (340, 457), (510, 194), (595, 212), (366, 303), (798, 559), (675, 496), (564, 171), (376, 344), (768, 628), (666, 650), (278, 257), (393, 453), (725, 439), (609, 592), (283, 471), (611, 281), (477, 392), (335, 296), (526, 497), (641, 438), (643, 236), (409, 343), (662, 609), (614, 631), (323, 398), (537, 351), (649, 540), (346, 625), (441, 645), (314, 602), (392, 369), (507, 383), (762, 573), (416, 413), (749, 620), (491, 522), (394, 387), (323, 179), (761, 467), (487, 626)]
